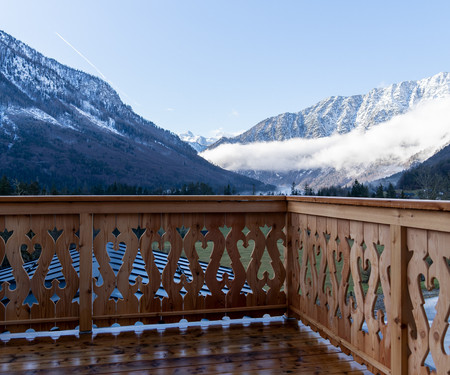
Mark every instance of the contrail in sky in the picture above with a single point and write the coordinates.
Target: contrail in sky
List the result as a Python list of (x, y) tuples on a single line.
[(84, 57), (97, 69)]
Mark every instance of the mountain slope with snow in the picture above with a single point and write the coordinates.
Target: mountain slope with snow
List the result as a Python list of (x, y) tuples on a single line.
[(340, 115), (197, 142), (68, 128)]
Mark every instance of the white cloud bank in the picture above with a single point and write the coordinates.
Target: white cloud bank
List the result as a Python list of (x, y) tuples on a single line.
[(426, 127)]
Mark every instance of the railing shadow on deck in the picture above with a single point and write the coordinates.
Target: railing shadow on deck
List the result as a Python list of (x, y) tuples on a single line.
[(355, 270)]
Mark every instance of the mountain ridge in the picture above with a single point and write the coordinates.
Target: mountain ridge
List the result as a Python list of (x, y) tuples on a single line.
[(69, 128), (352, 120), (198, 142), (341, 114)]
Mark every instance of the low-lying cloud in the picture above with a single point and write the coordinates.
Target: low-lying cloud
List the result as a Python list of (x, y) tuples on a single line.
[(423, 130)]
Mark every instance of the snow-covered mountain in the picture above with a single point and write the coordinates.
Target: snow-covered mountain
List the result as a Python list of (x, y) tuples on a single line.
[(70, 129), (197, 142), (342, 114), (342, 138)]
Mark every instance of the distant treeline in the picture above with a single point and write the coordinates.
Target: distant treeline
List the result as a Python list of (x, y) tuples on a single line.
[(431, 182), (356, 190), (432, 186), (17, 187)]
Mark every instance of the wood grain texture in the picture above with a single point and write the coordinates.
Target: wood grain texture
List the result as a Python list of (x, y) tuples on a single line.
[(331, 257), (4, 285), (215, 237), (257, 348), (360, 202), (399, 340), (104, 226), (439, 244), (35, 302), (430, 252), (149, 302), (129, 302), (15, 309), (370, 202), (174, 300), (135, 204), (334, 255), (433, 219), (265, 231), (86, 251), (235, 297)]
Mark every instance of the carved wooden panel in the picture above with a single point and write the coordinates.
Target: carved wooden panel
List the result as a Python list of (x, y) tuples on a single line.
[(193, 299), (4, 285), (234, 297), (149, 301), (215, 236), (275, 244), (264, 231), (340, 268), (172, 225), (103, 304), (41, 296), (429, 263), (188, 263)]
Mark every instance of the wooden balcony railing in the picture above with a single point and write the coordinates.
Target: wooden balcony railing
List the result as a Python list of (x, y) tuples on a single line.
[(353, 269)]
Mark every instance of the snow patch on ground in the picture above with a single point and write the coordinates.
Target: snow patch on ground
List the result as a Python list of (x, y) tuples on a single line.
[(37, 114), (41, 115), (108, 125)]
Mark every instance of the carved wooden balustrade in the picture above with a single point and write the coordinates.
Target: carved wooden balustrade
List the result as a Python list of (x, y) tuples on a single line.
[(353, 269), (345, 254), (179, 226)]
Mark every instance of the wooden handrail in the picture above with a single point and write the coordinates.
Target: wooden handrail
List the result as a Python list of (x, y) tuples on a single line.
[(434, 205), (414, 204), (139, 198), (29, 205)]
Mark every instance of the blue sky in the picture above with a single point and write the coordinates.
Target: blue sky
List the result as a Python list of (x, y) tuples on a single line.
[(206, 65)]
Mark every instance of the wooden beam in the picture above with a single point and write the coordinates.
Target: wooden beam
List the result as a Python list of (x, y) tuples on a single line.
[(288, 261), (141, 198), (129, 207), (424, 219), (399, 326), (39, 321), (412, 204), (86, 242)]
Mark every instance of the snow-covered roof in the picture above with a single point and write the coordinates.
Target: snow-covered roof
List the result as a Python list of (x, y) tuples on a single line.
[(116, 256)]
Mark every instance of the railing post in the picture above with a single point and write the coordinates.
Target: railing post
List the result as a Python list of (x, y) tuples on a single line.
[(288, 263), (86, 242), (399, 291)]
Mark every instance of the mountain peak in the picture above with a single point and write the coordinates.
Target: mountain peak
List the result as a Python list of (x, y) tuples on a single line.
[(341, 114), (341, 138), (197, 142)]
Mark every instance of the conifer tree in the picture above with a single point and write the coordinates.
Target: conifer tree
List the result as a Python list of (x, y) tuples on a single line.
[(359, 190), (379, 192), (5, 186), (390, 193)]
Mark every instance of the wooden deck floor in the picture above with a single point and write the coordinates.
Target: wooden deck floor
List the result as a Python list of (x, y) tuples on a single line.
[(256, 348)]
